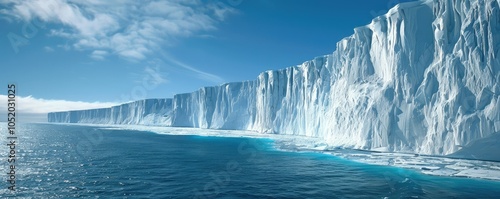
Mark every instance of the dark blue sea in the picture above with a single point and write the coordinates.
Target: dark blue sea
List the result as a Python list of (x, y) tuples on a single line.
[(59, 161)]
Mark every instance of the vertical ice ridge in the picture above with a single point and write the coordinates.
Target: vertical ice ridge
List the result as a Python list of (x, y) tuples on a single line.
[(146, 112)]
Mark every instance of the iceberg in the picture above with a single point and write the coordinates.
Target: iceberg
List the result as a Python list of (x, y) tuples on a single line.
[(423, 78)]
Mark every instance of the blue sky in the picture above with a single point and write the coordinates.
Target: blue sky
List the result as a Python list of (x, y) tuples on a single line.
[(68, 54)]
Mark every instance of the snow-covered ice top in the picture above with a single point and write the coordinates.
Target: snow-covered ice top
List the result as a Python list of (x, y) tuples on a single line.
[(423, 78)]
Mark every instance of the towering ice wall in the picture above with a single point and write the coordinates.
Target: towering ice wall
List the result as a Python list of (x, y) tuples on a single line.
[(228, 106), (146, 112), (423, 78)]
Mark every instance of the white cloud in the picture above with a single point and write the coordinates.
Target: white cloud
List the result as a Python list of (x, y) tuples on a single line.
[(128, 28), (48, 49), (31, 105), (30, 109), (99, 54)]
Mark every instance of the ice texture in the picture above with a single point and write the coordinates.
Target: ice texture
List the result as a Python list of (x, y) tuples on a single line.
[(423, 78), (145, 112)]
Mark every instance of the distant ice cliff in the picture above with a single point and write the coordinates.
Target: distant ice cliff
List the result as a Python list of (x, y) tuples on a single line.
[(145, 112)]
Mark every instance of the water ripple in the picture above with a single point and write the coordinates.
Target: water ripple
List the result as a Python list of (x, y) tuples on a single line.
[(131, 164)]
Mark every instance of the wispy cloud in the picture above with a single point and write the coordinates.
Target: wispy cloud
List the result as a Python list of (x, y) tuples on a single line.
[(48, 49), (154, 75), (193, 71), (127, 28), (99, 54)]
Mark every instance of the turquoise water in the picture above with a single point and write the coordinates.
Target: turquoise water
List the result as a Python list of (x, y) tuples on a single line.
[(59, 161)]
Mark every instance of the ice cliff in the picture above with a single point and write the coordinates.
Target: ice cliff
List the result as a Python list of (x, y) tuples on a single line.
[(423, 78), (145, 112)]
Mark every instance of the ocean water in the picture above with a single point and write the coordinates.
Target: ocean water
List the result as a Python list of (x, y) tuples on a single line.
[(59, 161)]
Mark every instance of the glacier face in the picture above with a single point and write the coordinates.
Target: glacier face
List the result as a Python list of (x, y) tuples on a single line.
[(144, 112), (423, 78)]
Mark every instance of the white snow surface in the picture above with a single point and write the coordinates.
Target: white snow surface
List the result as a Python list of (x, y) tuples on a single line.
[(423, 78)]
